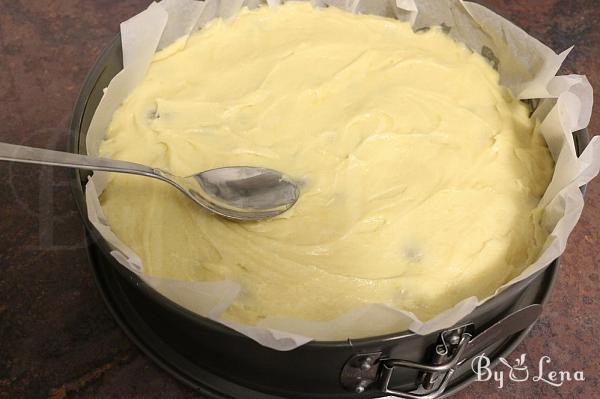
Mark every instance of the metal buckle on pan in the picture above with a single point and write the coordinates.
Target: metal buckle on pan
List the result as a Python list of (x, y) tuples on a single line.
[(455, 346), (437, 376), (372, 369)]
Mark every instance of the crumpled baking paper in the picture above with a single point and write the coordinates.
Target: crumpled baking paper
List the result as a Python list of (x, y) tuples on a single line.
[(525, 65)]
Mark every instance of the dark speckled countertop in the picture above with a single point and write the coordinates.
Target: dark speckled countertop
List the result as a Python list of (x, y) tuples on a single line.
[(58, 340)]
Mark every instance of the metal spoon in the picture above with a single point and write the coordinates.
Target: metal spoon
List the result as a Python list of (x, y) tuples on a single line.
[(241, 193)]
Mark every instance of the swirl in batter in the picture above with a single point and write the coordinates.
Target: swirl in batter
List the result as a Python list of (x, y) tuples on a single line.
[(422, 174)]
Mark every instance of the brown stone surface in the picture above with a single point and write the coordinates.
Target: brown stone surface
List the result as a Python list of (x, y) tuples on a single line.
[(56, 337)]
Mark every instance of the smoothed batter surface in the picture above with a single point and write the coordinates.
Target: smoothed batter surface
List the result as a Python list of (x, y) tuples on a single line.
[(422, 174)]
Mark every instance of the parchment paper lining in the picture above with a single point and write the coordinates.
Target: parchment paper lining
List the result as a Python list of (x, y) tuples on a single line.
[(525, 65)]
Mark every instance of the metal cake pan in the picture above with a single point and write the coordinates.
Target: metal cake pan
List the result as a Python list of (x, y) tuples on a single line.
[(221, 363)]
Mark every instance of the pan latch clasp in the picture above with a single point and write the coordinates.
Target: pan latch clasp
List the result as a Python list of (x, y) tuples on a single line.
[(436, 376)]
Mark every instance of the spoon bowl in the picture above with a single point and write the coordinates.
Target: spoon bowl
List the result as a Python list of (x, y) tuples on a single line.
[(240, 192)]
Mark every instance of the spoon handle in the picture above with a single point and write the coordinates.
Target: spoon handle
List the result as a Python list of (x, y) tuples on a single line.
[(19, 153)]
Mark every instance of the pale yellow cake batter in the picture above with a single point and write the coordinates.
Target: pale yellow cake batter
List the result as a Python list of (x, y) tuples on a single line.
[(422, 174)]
